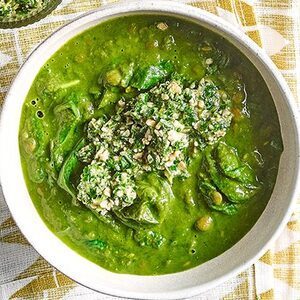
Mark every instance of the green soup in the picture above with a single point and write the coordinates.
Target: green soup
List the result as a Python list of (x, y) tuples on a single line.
[(149, 145)]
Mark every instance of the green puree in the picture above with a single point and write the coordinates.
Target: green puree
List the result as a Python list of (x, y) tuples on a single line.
[(149, 145)]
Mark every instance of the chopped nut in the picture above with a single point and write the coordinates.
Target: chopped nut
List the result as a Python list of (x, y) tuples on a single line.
[(178, 124), (158, 126), (119, 193), (172, 157), (104, 204), (174, 136), (169, 164), (138, 155), (174, 88), (126, 133), (162, 26), (201, 104), (182, 166), (102, 155), (209, 61), (165, 97), (151, 123), (192, 102), (150, 104), (121, 103), (107, 192)]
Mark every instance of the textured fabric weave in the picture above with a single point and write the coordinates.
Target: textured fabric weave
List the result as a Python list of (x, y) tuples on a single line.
[(272, 24)]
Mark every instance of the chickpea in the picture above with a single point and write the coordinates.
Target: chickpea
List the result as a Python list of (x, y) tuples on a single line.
[(91, 235), (113, 77), (30, 145), (128, 89), (25, 135), (217, 198), (209, 61), (189, 198), (204, 223), (79, 58)]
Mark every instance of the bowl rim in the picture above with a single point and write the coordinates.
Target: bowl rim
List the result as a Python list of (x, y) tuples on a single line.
[(139, 7)]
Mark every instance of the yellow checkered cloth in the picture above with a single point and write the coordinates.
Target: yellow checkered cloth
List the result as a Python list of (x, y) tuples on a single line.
[(272, 24)]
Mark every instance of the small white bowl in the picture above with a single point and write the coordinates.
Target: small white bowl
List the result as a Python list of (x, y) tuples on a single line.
[(178, 285)]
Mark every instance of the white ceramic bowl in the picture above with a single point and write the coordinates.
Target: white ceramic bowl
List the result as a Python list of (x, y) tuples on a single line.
[(178, 285)]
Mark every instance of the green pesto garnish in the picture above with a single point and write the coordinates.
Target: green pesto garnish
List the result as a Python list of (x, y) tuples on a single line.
[(156, 131), (11, 9)]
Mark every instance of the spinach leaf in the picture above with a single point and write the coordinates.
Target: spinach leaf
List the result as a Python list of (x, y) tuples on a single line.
[(232, 166), (68, 168), (69, 115), (109, 98), (154, 194), (148, 77), (127, 74), (207, 189), (140, 212), (225, 180), (235, 191), (155, 190), (63, 143), (129, 222)]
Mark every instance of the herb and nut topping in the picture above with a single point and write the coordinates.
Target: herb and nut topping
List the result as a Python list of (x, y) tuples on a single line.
[(155, 131)]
